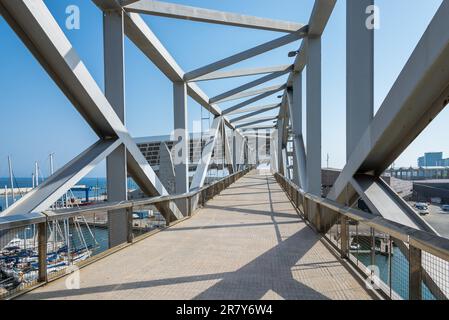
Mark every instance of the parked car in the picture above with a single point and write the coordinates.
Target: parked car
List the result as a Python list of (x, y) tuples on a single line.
[(422, 208), (445, 207)]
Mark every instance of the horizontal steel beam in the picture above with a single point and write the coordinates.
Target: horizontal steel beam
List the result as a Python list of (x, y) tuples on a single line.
[(251, 93), (255, 113), (247, 54), (257, 121), (239, 91), (256, 108), (245, 129), (252, 100), (242, 73), (177, 11)]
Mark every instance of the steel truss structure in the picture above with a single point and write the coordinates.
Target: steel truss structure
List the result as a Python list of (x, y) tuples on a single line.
[(373, 141)]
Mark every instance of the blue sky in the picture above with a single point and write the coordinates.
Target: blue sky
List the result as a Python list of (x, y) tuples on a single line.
[(37, 119)]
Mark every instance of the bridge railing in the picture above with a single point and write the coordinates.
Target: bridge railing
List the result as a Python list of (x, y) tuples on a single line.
[(39, 247), (397, 261)]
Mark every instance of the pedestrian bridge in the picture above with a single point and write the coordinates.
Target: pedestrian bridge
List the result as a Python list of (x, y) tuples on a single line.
[(249, 242), (250, 235)]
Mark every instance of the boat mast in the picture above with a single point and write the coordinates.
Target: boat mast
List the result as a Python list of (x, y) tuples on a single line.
[(6, 197), (11, 179), (36, 173), (52, 168)]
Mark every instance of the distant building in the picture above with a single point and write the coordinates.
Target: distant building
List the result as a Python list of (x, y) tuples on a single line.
[(444, 163), (420, 173), (431, 159)]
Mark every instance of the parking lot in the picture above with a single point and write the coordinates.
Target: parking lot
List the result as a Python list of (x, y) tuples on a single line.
[(438, 219)]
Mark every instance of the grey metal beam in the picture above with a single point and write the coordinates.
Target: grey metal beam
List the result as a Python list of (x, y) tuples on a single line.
[(203, 165), (180, 115), (227, 149), (252, 100), (294, 101), (244, 55), (114, 79), (244, 129), (234, 151), (383, 201), (245, 94), (177, 11), (39, 31), (48, 192), (256, 108), (359, 73), (321, 12), (237, 92), (141, 35), (257, 121), (256, 113), (266, 118), (420, 92), (242, 73), (313, 145)]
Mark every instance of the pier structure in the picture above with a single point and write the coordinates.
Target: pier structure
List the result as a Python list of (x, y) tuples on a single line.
[(252, 234)]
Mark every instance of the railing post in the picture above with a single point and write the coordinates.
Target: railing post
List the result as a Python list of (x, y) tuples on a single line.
[(189, 206), (42, 251), (318, 219), (415, 273), (130, 236), (344, 237)]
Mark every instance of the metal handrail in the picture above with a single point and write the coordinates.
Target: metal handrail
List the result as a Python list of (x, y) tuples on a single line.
[(22, 220), (422, 240)]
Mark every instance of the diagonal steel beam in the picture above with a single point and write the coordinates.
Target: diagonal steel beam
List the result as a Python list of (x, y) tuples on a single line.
[(241, 73), (247, 54), (52, 189), (237, 92), (227, 149), (177, 11), (252, 100), (38, 29), (203, 165)]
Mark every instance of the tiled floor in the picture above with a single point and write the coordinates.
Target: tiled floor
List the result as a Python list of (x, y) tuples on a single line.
[(247, 243)]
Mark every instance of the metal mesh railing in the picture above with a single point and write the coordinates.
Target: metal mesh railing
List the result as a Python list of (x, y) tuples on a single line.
[(399, 262), (19, 261)]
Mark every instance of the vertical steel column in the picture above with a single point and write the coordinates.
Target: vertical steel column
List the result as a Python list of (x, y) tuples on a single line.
[(359, 72), (295, 107), (257, 147), (313, 154), (114, 77), (181, 161), (181, 125), (234, 151), (313, 159), (280, 132)]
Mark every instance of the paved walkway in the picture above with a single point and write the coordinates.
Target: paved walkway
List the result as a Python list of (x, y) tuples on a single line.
[(247, 243)]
